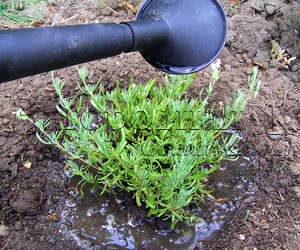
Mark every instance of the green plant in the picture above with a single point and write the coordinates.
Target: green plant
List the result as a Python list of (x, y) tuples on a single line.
[(152, 141), (12, 10)]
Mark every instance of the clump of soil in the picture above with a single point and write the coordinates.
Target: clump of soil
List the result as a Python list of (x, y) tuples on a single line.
[(31, 199)]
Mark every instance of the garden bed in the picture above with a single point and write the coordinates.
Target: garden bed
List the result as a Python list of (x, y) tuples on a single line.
[(34, 187)]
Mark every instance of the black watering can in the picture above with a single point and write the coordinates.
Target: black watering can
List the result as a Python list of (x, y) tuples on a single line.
[(175, 36)]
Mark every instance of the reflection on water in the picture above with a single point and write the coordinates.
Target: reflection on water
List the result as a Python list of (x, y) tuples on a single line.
[(97, 222)]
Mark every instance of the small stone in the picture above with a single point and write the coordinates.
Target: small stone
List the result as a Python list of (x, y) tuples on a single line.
[(274, 63), (248, 61), (242, 237), (291, 95), (294, 68), (284, 182), (69, 203), (18, 225), (227, 67), (269, 189), (296, 190), (270, 8), (112, 3), (295, 78), (287, 120), (235, 64), (258, 5), (3, 231), (229, 59), (102, 68), (294, 168), (249, 71), (5, 121), (275, 134), (292, 139), (251, 53)]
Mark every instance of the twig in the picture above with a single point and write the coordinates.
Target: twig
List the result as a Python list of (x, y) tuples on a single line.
[(6, 244), (109, 7), (64, 21), (285, 94)]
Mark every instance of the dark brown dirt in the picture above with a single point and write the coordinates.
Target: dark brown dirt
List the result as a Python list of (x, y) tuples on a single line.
[(31, 200)]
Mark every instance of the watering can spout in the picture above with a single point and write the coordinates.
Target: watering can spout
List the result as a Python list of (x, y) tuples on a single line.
[(25, 52), (176, 36)]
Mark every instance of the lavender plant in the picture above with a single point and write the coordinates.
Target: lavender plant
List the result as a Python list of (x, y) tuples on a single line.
[(150, 140)]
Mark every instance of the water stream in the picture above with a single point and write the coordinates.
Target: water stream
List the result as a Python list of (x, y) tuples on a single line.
[(97, 222)]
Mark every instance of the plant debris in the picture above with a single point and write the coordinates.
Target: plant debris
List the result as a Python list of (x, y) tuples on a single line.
[(128, 7), (281, 56)]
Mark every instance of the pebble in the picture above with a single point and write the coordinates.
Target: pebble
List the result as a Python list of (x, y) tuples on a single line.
[(248, 61), (242, 237), (295, 78), (294, 68), (229, 59), (296, 190), (287, 120), (69, 203), (291, 95), (112, 3), (235, 64), (294, 168), (18, 225), (274, 63), (227, 67), (249, 71), (252, 53), (275, 134), (3, 231), (103, 68), (270, 9), (5, 121), (293, 139), (258, 5)]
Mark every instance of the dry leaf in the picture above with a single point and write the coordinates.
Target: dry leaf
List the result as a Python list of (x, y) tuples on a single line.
[(234, 2), (52, 9), (36, 23), (281, 56), (220, 200), (128, 7), (260, 66), (52, 217), (221, 105), (27, 164)]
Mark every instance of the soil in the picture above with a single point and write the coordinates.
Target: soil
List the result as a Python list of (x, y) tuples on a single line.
[(33, 186)]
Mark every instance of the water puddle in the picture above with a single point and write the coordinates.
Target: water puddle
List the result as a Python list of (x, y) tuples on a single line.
[(97, 222)]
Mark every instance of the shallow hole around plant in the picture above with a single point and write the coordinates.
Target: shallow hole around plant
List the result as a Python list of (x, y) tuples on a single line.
[(97, 222)]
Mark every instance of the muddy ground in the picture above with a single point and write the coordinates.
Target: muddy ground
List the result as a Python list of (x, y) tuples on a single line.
[(32, 198)]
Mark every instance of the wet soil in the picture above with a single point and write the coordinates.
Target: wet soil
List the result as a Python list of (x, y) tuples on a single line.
[(32, 196)]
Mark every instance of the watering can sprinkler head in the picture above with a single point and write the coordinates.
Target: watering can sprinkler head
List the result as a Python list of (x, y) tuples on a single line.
[(175, 36), (197, 34)]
